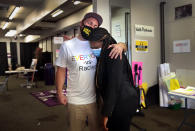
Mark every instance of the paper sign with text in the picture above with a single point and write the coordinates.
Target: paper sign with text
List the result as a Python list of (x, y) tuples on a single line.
[(144, 30), (141, 46)]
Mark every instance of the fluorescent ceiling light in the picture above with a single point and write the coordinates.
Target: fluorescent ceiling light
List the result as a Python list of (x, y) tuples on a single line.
[(5, 25), (57, 12), (13, 14), (21, 35), (76, 2), (11, 33), (30, 38)]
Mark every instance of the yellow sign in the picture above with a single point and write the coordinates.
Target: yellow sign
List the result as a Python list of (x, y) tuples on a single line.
[(141, 45)]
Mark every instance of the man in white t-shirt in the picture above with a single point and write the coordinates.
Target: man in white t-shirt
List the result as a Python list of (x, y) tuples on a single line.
[(76, 55)]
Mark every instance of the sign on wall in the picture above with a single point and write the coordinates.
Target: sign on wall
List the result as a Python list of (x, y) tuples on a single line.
[(144, 30), (117, 30), (141, 46), (58, 40), (181, 46)]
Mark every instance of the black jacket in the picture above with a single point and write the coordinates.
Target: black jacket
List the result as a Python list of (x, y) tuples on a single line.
[(116, 82)]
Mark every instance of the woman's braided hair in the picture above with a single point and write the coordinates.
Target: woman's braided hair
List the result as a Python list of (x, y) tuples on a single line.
[(101, 34)]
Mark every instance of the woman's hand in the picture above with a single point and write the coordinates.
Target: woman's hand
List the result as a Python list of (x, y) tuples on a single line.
[(117, 50), (105, 120)]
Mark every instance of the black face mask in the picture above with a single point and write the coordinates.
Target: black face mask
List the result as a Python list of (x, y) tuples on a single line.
[(87, 32)]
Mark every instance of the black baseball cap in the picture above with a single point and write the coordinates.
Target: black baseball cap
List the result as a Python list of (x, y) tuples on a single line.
[(93, 15)]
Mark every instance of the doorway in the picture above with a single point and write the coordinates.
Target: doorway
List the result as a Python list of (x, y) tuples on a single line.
[(120, 23)]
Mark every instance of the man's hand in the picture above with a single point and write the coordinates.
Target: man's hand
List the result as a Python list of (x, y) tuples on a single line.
[(62, 99), (117, 50), (105, 120)]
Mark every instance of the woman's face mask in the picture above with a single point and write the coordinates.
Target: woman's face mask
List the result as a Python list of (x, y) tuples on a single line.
[(86, 32), (97, 52)]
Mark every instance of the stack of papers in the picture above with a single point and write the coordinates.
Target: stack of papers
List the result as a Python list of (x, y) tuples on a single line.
[(186, 91)]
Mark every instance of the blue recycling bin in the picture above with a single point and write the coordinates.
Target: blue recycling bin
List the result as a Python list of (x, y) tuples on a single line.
[(49, 74)]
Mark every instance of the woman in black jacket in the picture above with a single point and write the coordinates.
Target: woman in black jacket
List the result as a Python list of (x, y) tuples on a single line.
[(115, 83)]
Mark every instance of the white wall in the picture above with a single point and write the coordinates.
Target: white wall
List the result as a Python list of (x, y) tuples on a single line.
[(180, 29), (102, 7), (118, 23), (147, 13), (120, 3)]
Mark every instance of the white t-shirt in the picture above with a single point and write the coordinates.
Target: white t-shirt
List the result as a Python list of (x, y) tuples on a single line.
[(77, 56)]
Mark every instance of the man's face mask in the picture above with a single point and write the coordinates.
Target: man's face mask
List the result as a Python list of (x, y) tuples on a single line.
[(97, 52), (86, 32)]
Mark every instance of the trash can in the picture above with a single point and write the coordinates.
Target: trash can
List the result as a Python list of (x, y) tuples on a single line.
[(49, 74)]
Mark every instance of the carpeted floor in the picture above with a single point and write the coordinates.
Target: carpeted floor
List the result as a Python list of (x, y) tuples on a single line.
[(20, 111)]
